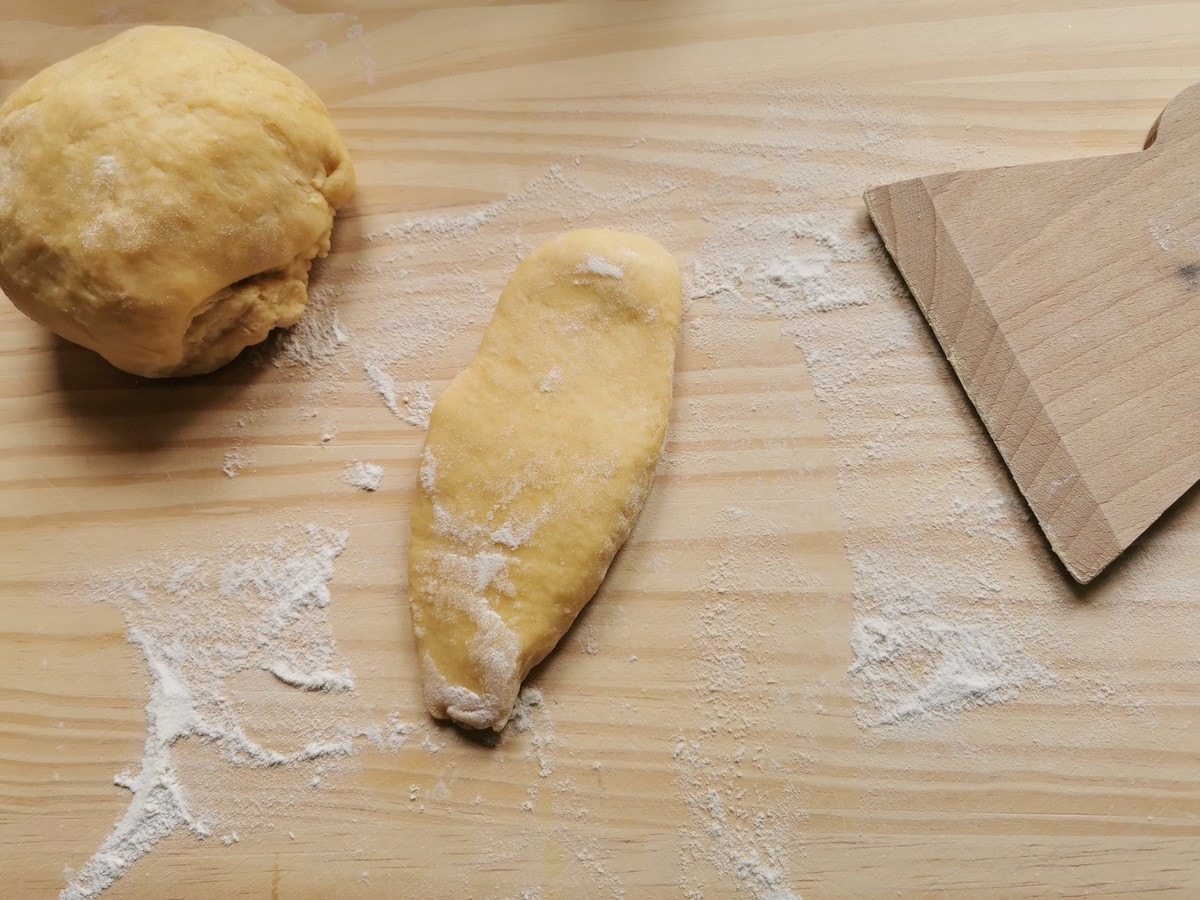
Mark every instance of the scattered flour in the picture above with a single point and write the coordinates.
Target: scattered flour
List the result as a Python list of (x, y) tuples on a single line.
[(415, 397), (199, 623), (598, 265), (317, 337), (364, 476), (384, 385), (418, 404), (924, 646), (233, 463), (917, 667), (312, 681), (552, 380)]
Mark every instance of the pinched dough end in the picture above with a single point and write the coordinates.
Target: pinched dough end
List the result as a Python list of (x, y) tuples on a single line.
[(445, 700), (162, 197), (492, 661)]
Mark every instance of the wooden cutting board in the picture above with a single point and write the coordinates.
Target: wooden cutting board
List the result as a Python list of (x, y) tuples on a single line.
[(701, 727), (1066, 296)]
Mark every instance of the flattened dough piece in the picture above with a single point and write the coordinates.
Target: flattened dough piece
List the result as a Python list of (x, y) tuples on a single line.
[(538, 459)]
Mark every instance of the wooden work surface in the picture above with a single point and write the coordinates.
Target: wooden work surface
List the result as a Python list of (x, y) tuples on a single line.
[(714, 725)]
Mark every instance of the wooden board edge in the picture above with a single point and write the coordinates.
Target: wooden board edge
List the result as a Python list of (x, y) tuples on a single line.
[(1083, 555)]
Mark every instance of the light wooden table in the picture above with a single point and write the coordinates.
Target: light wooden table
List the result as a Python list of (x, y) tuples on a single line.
[(701, 728)]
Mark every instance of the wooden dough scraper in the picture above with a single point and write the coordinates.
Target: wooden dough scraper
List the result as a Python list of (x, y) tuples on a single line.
[(1066, 296)]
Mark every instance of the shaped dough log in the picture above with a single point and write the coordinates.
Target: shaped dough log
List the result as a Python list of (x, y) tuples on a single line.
[(538, 459)]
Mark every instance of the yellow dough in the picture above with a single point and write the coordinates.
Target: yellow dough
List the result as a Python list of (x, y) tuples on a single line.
[(538, 459), (162, 196)]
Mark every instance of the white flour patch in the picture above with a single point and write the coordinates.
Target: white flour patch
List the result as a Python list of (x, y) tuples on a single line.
[(364, 476), (411, 401), (234, 461), (745, 836), (551, 382), (200, 624), (587, 861), (317, 337), (418, 404), (384, 385), (919, 667), (598, 265), (312, 681)]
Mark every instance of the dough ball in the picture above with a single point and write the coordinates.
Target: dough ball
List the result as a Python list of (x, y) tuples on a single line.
[(162, 197)]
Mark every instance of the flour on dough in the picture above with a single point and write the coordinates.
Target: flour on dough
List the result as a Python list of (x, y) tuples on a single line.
[(538, 459), (162, 197)]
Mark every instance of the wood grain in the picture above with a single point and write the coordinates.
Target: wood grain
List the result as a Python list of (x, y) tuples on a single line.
[(1062, 294), (716, 657)]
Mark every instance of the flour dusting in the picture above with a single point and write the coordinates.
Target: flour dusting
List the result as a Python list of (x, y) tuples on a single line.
[(418, 404), (924, 648), (364, 476), (959, 666), (551, 381), (318, 336), (598, 265), (234, 461), (384, 385), (198, 623)]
